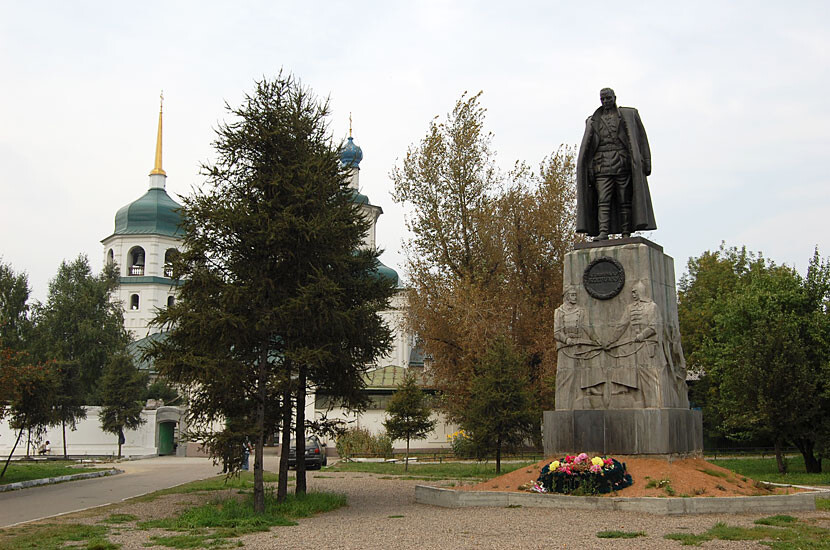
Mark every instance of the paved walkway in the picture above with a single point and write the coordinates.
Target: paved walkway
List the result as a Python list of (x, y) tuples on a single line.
[(139, 477)]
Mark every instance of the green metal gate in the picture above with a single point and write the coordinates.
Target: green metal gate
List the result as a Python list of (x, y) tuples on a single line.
[(166, 431)]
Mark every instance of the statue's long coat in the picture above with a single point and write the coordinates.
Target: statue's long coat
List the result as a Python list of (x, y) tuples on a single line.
[(642, 214)]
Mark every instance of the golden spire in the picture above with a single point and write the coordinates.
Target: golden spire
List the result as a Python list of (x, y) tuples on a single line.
[(157, 169), (350, 124)]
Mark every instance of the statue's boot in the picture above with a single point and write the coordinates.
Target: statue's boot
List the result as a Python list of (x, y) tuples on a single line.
[(604, 219), (625, 221)]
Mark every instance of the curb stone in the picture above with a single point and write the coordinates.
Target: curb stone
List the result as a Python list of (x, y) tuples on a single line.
[(60, 479), (449, 498)]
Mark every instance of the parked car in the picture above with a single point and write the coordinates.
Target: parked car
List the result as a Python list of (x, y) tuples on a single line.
[(315, 453)]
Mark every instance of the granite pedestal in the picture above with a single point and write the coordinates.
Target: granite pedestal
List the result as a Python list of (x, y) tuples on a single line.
[(623, 432), (621, 373)]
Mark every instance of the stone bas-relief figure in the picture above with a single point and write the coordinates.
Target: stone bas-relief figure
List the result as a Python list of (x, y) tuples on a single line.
[(612, 166), (571, 331), (640, 366)]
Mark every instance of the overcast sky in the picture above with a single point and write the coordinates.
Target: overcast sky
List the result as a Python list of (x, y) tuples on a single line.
[(733, 96)]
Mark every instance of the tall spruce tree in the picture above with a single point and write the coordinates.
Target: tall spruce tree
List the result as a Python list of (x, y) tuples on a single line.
[(409, 414), (122, 386), (277, 292)]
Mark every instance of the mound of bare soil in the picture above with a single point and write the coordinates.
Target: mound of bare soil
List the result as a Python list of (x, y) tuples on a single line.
[(654, 477)]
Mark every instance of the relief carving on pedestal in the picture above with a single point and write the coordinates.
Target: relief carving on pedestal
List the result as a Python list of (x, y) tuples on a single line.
[(640, 365)]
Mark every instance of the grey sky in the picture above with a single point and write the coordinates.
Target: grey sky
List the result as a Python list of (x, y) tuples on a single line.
[(733, 97)]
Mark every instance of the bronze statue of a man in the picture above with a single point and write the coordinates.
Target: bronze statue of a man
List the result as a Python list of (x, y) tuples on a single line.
[(613, 163)]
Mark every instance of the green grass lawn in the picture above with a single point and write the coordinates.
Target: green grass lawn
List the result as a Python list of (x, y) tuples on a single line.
[(765, 469), (25, 471), (447, 470)]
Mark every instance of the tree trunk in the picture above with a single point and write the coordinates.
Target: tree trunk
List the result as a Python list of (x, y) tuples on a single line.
[(498, 454), (300, 429), (28, 441), (16, 441), (119, 447), (282, 481), (63, 428), (259, 485), (406, 459), (779, 458), (806, 447)]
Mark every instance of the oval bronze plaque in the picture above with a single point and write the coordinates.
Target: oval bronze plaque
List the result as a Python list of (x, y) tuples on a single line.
[(604, 278)]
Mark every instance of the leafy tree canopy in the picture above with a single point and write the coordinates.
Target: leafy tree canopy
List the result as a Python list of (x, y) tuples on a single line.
[(487, 251), (80, 326), (760, 335), (14, 308)]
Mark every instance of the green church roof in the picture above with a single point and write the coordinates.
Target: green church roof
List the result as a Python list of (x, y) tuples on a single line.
[(387, 272), (154, 213)]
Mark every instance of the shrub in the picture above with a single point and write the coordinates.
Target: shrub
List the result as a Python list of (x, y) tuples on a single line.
[(462, 445), (360, 441)]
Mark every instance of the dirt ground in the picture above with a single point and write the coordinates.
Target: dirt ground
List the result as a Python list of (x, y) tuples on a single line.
[(687, 477)]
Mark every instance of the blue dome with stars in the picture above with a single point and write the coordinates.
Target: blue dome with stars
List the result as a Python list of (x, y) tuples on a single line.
[(352, 154)]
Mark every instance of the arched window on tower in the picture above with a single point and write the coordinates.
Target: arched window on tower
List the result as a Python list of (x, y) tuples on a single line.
[(136, 258), (134, 303), (110, 257), (170, 301), (169, 255)]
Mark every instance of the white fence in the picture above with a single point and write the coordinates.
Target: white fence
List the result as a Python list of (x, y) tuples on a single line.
[(88, 438)]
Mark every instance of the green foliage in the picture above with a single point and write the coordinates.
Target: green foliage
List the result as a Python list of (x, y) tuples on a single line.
[(462, 445), (19, 471), (360, 441), (14, 309), (409, 413), (161, 389), (278, 293), (80, 326), (501, 412), (121, 388), (761, 335), (32, 407)]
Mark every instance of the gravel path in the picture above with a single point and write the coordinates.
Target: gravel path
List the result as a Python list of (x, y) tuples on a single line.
[(370, 522), (366, 523)]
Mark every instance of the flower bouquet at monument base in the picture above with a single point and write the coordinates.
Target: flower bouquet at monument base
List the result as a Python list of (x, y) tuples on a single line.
[(582, 475)]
